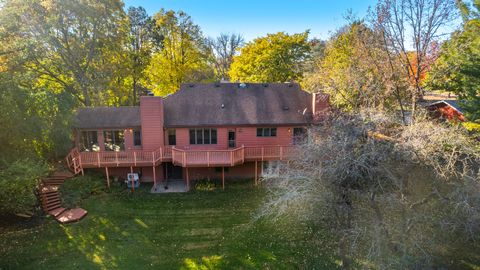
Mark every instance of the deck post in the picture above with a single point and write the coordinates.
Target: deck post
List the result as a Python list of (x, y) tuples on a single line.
[(223, 177), (256, 173), (261, 165), (281, 152), (108, 178), (116, 157), (262, 153), (133, 180), (208, 158), (188, 180), (231, 158), (98, 159), (154, 178), (135, 158), (80, 162)]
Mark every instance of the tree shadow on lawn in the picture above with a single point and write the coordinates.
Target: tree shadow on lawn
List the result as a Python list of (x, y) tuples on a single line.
[(196, 230)]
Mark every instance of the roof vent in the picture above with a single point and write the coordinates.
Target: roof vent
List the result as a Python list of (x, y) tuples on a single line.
[(242, 85), (150, 94), (265, 85), (286, 108), (223, 106), (191, 85), (217, 84)]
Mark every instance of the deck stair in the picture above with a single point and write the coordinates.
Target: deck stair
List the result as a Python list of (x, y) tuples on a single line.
[(51, 201)]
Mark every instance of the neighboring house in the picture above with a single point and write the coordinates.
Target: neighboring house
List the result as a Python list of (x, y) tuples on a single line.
[(221, 130), (446, 109)]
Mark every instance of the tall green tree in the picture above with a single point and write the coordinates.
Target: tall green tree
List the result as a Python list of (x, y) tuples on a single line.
[(275, 58), (183, 54), (140, 47), (458, 67), (69, 45)]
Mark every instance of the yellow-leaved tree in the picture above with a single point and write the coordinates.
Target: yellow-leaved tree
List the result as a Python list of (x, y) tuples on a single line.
[(277, 57), (183, 54)]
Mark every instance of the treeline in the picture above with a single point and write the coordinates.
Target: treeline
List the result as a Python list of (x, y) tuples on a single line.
[(57, 56)]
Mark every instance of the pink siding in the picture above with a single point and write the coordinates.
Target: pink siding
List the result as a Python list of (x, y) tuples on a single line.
[(244, 136), (147, 173), (244, 171), (151, 113), (320, 105), (183, 139), (248, 136), (128, 139)]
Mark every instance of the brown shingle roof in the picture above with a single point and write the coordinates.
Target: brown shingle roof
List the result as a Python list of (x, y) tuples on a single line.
[(107, 117), (230, 104), (201, 105)]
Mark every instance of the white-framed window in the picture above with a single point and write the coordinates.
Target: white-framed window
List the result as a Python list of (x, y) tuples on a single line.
[(266, 132), (203, 136)]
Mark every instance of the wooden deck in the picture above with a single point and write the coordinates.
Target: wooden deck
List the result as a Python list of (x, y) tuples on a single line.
[(180, 157), (52, 203)]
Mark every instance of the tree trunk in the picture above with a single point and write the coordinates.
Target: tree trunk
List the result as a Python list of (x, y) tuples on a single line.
[(134, 97), (86, 96)]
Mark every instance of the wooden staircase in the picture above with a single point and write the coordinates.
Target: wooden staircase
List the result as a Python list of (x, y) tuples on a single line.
[(51, 201)]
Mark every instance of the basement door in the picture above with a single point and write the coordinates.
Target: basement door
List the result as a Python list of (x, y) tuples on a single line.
[(173, 172)]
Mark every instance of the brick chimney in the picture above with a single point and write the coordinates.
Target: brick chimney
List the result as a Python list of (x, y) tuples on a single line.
[(151, 114), (320, 105)]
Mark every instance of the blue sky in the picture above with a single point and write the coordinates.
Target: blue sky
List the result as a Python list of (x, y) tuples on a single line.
[(254, 18)]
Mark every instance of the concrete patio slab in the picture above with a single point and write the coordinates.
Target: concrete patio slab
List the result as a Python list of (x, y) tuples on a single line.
[(170, 187)]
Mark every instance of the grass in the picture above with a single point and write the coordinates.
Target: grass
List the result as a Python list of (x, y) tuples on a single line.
[(196, 230)]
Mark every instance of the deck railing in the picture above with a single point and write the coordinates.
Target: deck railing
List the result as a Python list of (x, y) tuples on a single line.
[(181, 157), (125, 158), (265, 153), (209, 158)]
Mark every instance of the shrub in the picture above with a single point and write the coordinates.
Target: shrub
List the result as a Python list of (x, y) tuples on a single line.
[(205, 185), (74, 190), (472, 127), (18, 181)]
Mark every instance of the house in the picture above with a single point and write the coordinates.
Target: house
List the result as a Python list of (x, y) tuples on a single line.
[(446, 109), (215, 130)]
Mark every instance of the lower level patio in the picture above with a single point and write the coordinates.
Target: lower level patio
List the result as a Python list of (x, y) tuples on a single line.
[(175, 186)]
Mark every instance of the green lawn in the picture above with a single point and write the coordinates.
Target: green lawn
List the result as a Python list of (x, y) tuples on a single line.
[(196, 230)]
